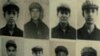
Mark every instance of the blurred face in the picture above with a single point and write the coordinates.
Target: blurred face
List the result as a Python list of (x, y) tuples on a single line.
[(11, 16), (61, 54), (11, 51), (35, 14), (63, 16), (38, 53), (90, 15)]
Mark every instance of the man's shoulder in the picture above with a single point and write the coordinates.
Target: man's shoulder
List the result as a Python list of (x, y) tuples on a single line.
[(18, 29), (81, 29), (55, 28), (28, 23), (97, 29), (71, 28), (3, 28)]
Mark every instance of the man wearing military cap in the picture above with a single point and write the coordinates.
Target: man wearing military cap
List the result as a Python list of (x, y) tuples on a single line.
[(88, 51), (89, 31), (61, 51), (11, 48), (63, 30), (37, 51), (11, 13), (36, 28)]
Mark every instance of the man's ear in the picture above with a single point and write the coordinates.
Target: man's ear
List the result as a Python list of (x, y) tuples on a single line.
[(4, 14), (83, 14)]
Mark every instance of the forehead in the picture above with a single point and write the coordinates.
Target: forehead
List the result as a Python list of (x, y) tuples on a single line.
[(90, 9), (35, 9), (11, 12), (11, 47)]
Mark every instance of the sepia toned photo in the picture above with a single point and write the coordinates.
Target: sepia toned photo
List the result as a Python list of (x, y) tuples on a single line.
[(88, 19), (12, 47), (62, 48), (36, 47), (10, 13), (63, 23), (36, 28), (87, 48)]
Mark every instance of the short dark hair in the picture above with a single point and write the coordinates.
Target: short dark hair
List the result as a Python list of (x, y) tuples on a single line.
[(9, 7), (87, 5), (89, 50), (63, 9), (61, 48), (11, 43), (36, 49)]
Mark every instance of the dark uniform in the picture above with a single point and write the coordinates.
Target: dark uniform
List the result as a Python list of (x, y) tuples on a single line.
[(33, 31), (83, 32), (88, 51), (16, 31), (69, 33), (5, 30)]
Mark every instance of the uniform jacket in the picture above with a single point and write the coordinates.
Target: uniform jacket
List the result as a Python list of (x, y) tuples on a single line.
[(38, 32), (16, 31), (70, 32), (83, 34)]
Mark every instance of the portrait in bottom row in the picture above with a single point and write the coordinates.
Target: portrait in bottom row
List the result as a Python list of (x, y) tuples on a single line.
[(12, 47)]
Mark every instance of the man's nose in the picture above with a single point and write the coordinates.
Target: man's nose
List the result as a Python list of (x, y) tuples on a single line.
[(11, 15), (90, 14)]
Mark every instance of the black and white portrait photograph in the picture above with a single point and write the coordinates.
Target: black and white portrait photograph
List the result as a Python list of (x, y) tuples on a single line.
[(62, 48), (36, 47), (88, 20), (12, 47), (87, 48), (63, 19), (10, 20), (37, 24)]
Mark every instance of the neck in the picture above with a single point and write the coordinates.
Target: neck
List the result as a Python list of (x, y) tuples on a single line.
[(11, 26), (90, 27), (63, 25)]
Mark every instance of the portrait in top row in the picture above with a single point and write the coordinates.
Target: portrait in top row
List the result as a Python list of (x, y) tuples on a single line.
[(66, 19)]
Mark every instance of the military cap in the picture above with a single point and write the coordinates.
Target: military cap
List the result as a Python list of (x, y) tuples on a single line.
[(11, 43), (89, 5), (10, 7), (63, 8), (61, 49), (89, 50), (35, 5), (36, 49)]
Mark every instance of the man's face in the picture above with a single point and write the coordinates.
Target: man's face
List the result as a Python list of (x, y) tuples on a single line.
[(90, 15), (11, 51), (63, 16), (61, 54), (11, 16), (38, 53), (35, 14)]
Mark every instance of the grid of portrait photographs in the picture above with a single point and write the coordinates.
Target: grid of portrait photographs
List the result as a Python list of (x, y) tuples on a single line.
[(49, 27)]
